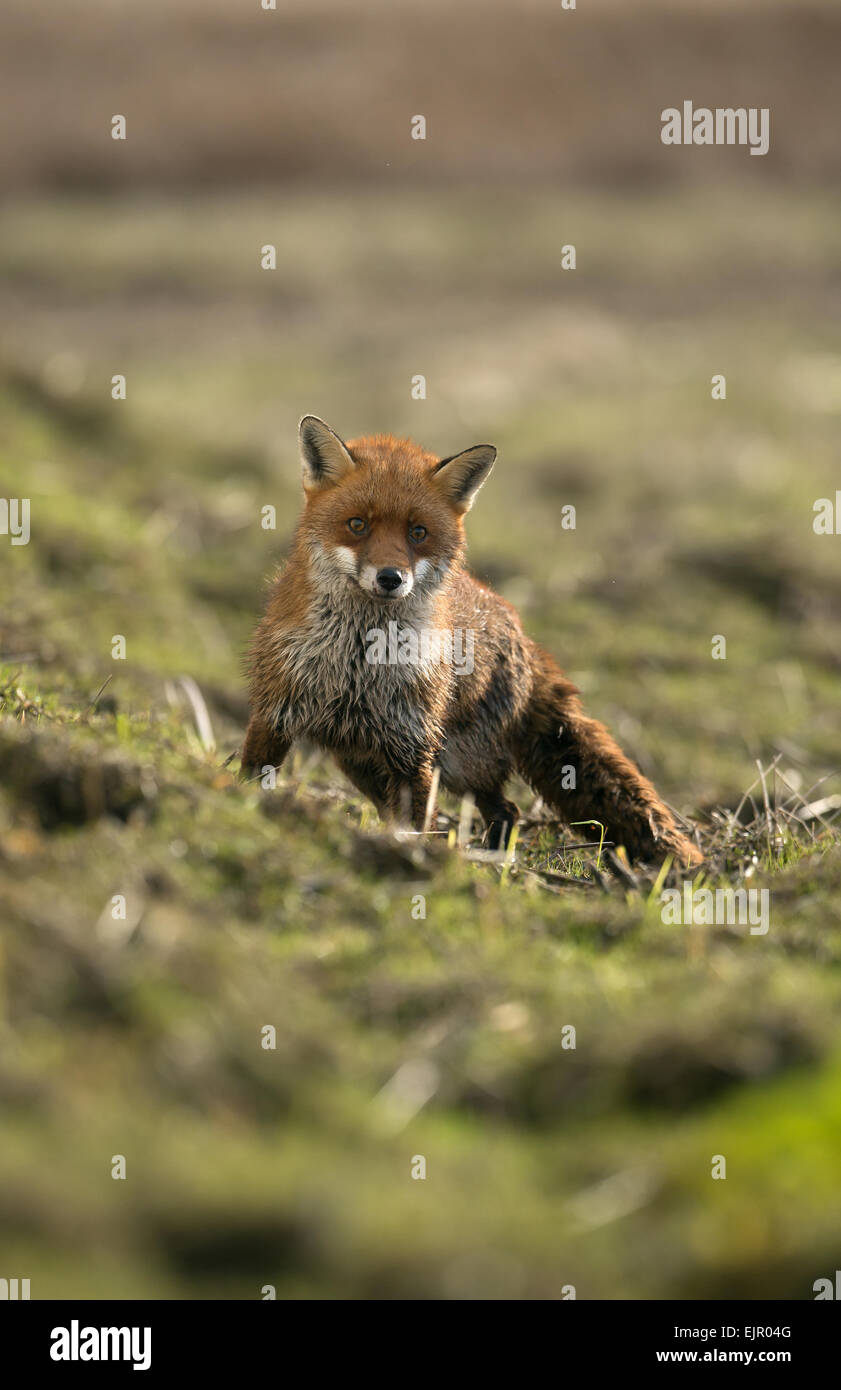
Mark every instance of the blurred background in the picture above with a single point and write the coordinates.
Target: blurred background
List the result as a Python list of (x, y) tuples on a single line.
[(442, 257)]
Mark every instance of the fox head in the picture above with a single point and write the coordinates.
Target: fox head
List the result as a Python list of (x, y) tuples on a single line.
[(381, 514)]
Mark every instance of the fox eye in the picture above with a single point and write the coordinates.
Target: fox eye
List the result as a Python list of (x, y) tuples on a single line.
[(418, 533), (357, 525)]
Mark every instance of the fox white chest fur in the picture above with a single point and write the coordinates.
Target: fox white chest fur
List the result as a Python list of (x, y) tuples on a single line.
[(338, 697)]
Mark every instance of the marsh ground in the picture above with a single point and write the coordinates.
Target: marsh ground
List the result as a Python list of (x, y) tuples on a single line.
[(397, 1035)]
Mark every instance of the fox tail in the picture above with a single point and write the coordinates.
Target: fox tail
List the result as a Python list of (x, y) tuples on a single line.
[(580, 771)]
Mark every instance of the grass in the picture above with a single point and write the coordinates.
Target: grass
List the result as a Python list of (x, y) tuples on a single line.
[(421, 996)]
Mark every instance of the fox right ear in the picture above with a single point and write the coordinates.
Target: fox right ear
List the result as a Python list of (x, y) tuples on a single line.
[(324, 458)]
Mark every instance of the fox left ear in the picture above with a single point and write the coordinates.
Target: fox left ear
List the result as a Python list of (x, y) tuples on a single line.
[(461, 476)]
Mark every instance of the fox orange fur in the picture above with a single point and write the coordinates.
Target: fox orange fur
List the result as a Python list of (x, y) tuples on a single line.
[(381, 541)]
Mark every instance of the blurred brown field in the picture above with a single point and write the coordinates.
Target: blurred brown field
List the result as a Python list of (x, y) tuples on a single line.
[(220, 92)]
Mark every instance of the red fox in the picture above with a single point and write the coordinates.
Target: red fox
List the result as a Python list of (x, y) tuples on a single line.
[(378, 554)]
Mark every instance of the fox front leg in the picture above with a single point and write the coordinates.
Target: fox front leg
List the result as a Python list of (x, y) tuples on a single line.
[(407, 800), (263, 747), (424, 797), (411, 801)]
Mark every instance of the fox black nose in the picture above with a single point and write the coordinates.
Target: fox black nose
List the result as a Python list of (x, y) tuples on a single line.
[(389, 579)]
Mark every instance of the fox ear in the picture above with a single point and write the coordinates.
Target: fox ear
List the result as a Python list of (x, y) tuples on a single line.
[(324, 458), (461, 476)]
